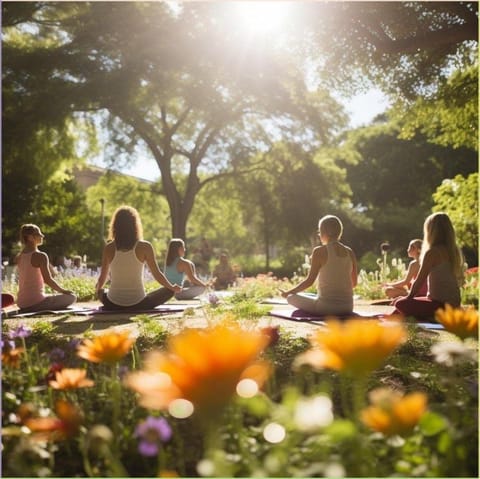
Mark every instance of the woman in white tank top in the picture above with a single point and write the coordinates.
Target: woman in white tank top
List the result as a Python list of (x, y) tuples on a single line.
[(124, 257), (334, 266)]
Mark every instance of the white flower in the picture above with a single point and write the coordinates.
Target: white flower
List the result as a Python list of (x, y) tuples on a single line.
[(449, 353), (313, 413)]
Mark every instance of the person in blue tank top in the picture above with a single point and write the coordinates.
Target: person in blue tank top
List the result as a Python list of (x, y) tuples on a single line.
[(177, 267)]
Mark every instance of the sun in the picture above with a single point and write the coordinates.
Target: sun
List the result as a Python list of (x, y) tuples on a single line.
[(261, 17)]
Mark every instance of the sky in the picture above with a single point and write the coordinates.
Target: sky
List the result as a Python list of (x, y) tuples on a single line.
[(362, 109)]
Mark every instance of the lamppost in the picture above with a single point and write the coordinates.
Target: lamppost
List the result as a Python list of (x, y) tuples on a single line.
[(102, 225)]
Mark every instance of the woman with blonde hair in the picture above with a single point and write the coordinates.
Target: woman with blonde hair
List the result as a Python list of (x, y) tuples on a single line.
[(34, 271), (124, 257), (442, 268), (177, 267)]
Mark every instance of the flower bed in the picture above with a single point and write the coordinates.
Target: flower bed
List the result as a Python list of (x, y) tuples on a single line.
[(359, 398)]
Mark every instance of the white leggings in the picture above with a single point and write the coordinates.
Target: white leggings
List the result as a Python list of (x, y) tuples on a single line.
[(320, 306), (52, 302)]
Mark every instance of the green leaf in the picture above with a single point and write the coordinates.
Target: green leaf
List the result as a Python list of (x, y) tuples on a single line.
[(432, 424)]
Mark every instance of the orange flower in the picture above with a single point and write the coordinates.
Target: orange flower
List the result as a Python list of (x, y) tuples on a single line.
[(11, 357), (65, 425), (107, 348), (71, 379), (201, 366), (459, 321), (392, 413), (355, 347)]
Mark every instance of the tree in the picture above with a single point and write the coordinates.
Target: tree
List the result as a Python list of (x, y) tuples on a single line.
[(186, 100), (458, 197), (116, 190), (406, 48), (395, 179)]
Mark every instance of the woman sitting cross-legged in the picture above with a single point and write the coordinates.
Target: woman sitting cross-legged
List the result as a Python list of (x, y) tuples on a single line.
[(176, 267), (334, 266), (124, 257), (34, 271)]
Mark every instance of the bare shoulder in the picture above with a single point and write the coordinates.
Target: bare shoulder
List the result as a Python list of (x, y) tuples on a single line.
[(39, 258)]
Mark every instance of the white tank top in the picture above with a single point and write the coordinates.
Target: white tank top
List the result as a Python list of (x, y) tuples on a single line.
[(335, 277), (126, 278)]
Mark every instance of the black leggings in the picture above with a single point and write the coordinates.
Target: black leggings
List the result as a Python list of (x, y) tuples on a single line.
[(151, 300)]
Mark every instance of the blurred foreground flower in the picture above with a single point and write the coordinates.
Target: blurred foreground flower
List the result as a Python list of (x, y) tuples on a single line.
[(392, 413), (11, 357), (68, 378), (107, 348), (355, 347), (152, 432), (202, 367), (450, 353), (65, 425), (459, 321)]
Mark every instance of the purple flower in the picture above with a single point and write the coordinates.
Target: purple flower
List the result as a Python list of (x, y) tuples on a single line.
[(20, 332), (7, 344), (213, 299), (56, 355), (74, 342), (152, 432)]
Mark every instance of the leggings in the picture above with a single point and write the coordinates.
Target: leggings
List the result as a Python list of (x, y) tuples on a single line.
[(190, 292), (320, 306), (420, 307), (53, 302), (151, 300)]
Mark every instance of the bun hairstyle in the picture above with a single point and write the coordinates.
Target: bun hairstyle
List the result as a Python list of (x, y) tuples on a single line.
[(331, 227), (28, 229)]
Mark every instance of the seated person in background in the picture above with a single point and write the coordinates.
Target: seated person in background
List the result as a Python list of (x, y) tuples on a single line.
[(124, 258), (441, 265), (334, 267), (34, 271), (176, 267), (223, 274), (401, 287)]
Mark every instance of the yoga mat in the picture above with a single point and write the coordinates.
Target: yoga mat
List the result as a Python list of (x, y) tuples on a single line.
[(158, 310), (18, 314), (299, 315)]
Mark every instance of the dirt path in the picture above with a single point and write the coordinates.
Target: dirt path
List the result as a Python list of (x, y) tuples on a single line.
[(192, 317)]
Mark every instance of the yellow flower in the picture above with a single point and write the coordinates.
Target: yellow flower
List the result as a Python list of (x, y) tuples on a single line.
[(201, 366), (68, 378), (459, 321), (392, 413), (107, 348), (355, 347), (11, 357)]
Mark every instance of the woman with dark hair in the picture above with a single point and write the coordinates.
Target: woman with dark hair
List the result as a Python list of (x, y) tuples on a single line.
[(124, 257), (176, 267)]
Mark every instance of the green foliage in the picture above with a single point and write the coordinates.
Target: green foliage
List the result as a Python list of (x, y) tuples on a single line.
[(394, 181), (458, 197), (117, 190)]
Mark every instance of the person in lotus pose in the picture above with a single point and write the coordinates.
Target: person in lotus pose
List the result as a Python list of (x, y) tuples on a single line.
[(177, 267), (34, 271), (441, 267), (334, 266), (401, 287), (124, 257)]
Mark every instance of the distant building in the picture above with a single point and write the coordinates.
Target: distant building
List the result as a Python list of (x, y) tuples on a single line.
[(88, 175)]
